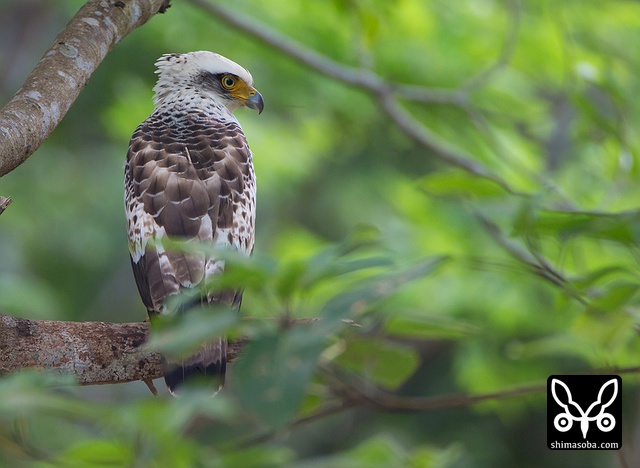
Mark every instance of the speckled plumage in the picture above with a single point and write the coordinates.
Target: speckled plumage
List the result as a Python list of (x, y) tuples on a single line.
[(189, 176)]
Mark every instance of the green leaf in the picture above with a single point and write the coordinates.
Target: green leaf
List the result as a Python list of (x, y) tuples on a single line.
[(328, 263), (183, 333), (383, 363), (98, 452), (378, 451), (336, 267), (32, 391), (427, 456), (257, 457), (240, 270), (591, 278), (620, 227), (288, 281), (274, 370), (428, 326), (616, 296), (375, 289), (167, 418), (460, 184)]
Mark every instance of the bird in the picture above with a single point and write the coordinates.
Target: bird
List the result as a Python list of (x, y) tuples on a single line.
[(189, 177)]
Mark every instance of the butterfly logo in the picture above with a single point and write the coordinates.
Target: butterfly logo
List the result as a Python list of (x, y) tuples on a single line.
[(573, 412)]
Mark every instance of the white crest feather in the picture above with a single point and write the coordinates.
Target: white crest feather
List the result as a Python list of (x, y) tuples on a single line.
[(178, 72)]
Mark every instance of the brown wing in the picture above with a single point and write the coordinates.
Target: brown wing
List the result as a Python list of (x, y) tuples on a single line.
[(184, 179)]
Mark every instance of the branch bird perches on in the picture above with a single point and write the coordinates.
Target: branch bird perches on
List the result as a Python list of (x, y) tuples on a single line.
[(94, 353)]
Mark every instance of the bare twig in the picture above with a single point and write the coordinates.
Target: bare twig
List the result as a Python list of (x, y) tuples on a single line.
[(4, 203), (352, 395), (535, 262), (152, 388), (390, 402), (329, 409), (361, 393), (56, 81)]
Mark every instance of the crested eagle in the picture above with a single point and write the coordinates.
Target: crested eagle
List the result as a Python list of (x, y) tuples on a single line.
[(189, 176)]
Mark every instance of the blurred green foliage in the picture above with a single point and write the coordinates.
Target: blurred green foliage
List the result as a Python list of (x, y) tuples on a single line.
[(428, 279)]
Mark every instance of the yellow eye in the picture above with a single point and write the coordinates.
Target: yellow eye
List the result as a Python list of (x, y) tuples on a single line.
[(228, 81)]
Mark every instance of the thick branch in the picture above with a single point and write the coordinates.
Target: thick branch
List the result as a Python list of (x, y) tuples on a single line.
[(94, 352), (56, 81)]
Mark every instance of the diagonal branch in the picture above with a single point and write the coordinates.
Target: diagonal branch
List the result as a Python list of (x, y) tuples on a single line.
[(354, 76), (56, 81), (366, 80), (361, 78), (425, 137), (536, 263)]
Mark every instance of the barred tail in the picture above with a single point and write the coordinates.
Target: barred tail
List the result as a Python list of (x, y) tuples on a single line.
[(208, 365)]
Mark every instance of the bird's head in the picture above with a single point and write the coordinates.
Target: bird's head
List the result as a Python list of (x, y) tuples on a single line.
[(205, 75)]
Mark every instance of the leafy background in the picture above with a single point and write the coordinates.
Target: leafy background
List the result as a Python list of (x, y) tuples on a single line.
[(456, 281)]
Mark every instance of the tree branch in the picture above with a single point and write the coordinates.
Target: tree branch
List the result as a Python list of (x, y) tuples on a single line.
[(94, 352), (387, 92), (425, 137), (354, 76), (361, 393), (535, 263), (56, 81), (4, 203)]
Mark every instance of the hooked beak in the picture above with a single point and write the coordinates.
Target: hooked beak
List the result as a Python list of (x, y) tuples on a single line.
[(255, 102)]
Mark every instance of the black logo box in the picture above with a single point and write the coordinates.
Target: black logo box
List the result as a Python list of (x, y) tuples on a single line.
[(584, 403)]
